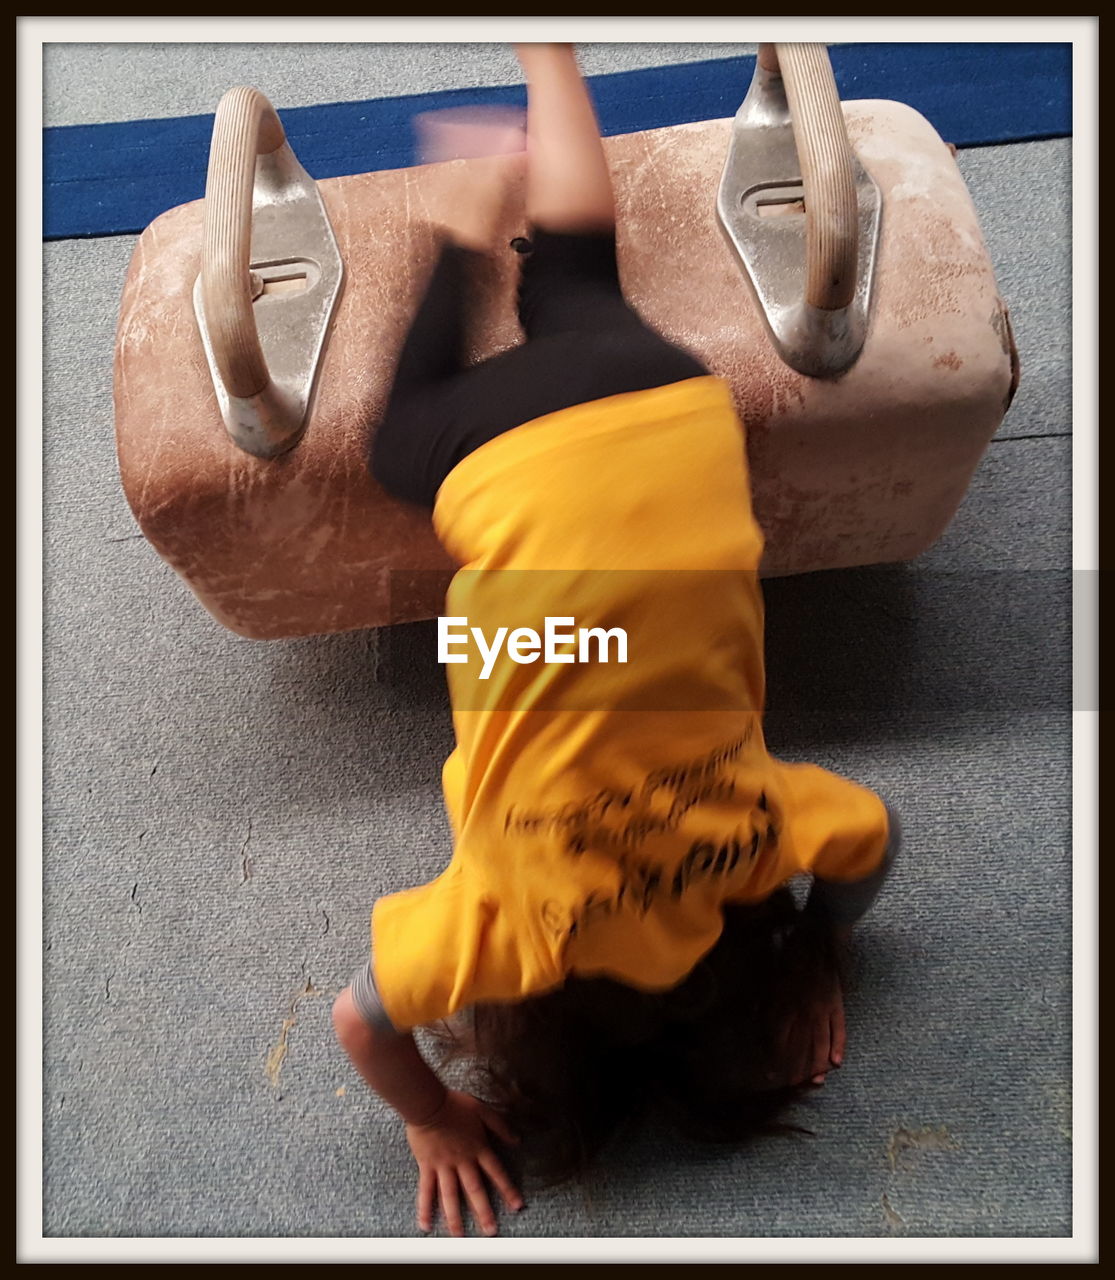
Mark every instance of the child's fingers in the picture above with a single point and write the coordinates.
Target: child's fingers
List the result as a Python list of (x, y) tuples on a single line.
[(790, 1058), (426, 1184), (451, 1201), (478, 1200), (822, 1048), (502, 1183), (839, 1035)]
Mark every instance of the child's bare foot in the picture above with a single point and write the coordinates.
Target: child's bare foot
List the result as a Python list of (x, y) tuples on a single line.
[(465, 133), (493, 140)]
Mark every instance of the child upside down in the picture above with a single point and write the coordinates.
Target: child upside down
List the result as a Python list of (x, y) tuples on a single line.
[(622, 837)]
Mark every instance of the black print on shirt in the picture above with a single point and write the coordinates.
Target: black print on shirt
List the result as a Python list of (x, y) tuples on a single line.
[(682, 788), (619, 821)]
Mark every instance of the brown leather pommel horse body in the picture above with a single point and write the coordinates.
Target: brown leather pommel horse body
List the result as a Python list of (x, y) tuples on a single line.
[(863, 265)]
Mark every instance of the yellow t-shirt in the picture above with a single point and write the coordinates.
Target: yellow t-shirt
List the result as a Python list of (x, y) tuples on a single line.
[(603, 812)]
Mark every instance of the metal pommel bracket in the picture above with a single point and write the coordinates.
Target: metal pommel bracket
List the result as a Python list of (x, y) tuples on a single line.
[(271, 275), (801, 211)]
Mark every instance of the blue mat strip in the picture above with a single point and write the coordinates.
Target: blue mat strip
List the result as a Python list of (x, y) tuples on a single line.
[(113, 179)]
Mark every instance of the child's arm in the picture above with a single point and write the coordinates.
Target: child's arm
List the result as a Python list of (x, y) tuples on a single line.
[(447, 1129), (390, 1063), (812, 1036), (841, 903)]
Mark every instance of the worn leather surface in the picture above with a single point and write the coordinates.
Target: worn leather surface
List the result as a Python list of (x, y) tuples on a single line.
[(865, 468)]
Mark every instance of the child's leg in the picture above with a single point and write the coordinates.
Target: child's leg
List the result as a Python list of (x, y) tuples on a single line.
[(420, 409), (434, 346), (570, 282), (435, 340), (571, 279), (584, 341), (430, 358), (569, 188)]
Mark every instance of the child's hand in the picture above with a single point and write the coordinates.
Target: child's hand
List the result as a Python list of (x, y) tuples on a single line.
[(451, 1150), (813, 1037), (810, 1035)]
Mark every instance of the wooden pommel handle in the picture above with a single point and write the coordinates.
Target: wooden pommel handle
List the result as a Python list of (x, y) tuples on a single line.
[(246, 126), (825, 155)]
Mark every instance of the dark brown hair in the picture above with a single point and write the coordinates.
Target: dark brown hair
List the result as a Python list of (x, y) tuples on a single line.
[(570, 1067)]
